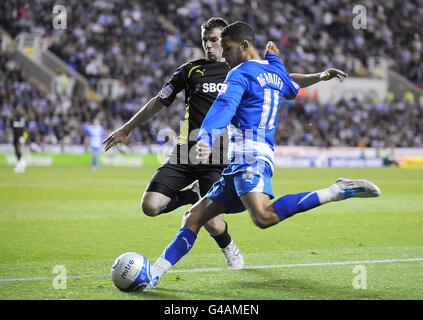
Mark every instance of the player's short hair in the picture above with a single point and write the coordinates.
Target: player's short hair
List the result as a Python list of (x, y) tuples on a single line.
[(214, 22), (239, 31)]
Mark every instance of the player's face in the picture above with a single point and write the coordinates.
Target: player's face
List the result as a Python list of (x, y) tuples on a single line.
[(211, 44), (231, 52)]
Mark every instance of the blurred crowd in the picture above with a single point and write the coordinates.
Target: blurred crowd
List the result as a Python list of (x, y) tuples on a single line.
[(390, 123), (55, 118), (140, 43)]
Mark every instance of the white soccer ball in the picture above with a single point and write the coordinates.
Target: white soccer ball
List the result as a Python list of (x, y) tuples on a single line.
[(131, 272)]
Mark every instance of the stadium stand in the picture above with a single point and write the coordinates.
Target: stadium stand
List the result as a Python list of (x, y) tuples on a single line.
[(140, 43)]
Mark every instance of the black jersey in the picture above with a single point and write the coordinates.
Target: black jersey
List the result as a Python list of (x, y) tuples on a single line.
[(202, 80), (18, 126)]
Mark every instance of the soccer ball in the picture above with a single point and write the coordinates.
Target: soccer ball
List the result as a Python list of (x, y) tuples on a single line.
[(131, 272)]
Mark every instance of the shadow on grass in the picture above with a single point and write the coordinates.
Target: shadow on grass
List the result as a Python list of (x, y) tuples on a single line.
[(272, 286), (258, 285)]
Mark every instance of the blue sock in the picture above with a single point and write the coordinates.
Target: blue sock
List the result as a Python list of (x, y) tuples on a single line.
[(94, 162), (180, 245), (290, 204)]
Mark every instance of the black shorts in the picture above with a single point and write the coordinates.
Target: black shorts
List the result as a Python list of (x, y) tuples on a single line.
[(17, 145), (169, 179)]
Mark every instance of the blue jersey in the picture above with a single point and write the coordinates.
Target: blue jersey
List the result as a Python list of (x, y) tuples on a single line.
[(95, 134), (248, 107)]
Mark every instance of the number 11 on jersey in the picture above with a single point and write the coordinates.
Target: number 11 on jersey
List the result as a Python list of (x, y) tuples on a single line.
[(267, 107)]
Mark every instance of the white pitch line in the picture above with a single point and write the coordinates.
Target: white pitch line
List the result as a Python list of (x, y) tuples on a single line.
[(310, 264), (292, 265)]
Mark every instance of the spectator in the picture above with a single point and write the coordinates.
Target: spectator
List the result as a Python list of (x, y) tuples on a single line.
[(139, 43)]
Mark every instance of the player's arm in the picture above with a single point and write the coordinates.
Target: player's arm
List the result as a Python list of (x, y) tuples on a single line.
[(305, 80), (220, 114), (145, 113), (165, 98)]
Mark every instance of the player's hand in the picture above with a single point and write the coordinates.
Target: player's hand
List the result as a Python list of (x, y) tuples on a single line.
[(332, 73), (271, 48), (116, 137), (203, 151)]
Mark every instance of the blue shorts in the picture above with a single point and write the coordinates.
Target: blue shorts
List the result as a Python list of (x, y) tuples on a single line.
[(227, 190)]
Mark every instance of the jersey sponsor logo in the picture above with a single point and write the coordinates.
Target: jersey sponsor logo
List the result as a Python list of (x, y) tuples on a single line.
[(214, 87), (166, 91), (224, 87), (19, 123)]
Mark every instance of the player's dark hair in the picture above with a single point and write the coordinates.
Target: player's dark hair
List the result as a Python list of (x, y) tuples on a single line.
[(239, 31), (214, 22)]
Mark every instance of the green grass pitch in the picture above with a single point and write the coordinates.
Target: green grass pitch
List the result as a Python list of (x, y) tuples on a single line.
[(82, 220)]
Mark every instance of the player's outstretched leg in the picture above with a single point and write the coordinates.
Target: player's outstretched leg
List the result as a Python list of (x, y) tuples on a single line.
[(266, 214), (342, 189)]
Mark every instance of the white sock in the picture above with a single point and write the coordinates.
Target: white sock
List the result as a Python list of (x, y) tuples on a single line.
[(329, 194), (23, 165), (160, 267)]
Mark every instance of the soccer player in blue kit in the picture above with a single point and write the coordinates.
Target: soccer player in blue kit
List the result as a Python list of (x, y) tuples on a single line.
[(248, 106), (95, 134)]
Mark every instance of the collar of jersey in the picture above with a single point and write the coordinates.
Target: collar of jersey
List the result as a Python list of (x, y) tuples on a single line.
[(258, 61)]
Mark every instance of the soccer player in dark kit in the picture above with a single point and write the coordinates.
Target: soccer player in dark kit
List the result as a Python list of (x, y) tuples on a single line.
[(201, 79), (18, 126)]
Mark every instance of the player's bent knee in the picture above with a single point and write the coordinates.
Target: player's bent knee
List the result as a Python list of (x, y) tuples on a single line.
[(150, 209), (153, 203)]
